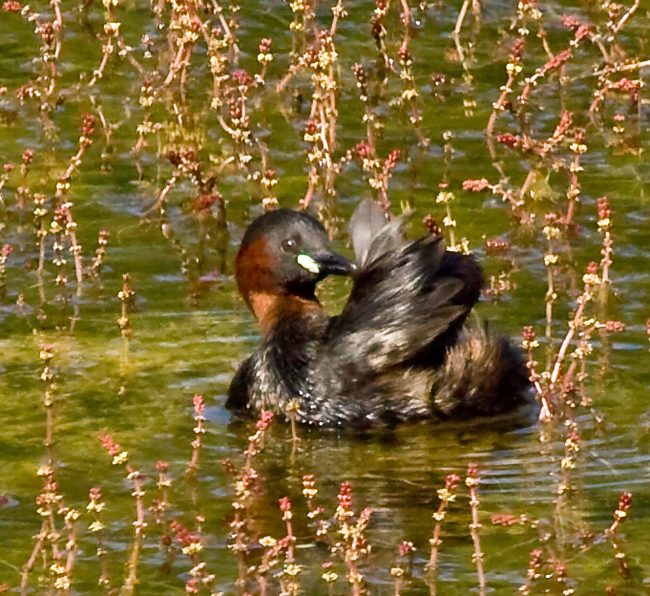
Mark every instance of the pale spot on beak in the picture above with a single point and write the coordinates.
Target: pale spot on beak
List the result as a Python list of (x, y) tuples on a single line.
[(306, 262)]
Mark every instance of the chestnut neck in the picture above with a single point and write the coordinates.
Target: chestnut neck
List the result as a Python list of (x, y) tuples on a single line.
[(271, 308)]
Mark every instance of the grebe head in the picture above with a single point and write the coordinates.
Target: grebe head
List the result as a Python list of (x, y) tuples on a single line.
[(283, 255)]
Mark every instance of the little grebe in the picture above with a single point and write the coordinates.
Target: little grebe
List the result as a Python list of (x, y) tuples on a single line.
[(400, 349)]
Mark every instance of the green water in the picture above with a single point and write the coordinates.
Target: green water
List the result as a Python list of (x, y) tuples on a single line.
[(189, 328)]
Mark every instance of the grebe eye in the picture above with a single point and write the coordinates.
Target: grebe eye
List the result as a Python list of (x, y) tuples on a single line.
[(289, 245)]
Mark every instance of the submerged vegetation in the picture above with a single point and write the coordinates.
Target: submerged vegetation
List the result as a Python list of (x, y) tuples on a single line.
[(137, 142)]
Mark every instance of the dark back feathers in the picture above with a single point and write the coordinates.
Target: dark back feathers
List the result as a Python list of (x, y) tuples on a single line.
[(409, 299)]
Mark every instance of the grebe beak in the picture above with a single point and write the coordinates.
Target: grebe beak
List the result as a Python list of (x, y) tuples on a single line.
[(325, 263)]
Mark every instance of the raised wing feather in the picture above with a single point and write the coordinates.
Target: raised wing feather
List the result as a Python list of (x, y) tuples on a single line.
[(365, 225), (372, 235)]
